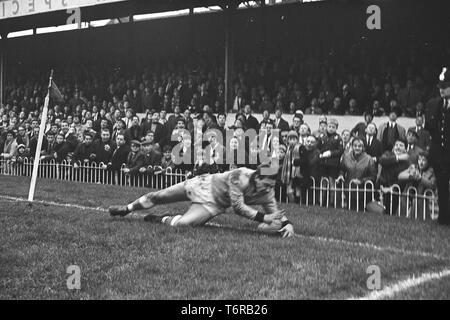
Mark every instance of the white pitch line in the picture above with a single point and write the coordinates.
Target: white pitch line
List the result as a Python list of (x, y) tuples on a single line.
[(404, 285), (318, 238)]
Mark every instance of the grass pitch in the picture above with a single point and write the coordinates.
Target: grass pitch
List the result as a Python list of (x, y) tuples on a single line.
[(127, 258)]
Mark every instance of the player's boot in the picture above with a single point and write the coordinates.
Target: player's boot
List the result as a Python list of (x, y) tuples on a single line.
[(121, 211)]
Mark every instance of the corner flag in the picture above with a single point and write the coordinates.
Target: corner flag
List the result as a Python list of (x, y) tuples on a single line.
[(53, 92)]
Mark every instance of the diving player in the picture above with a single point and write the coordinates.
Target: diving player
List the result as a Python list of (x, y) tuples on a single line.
[(212, 194)]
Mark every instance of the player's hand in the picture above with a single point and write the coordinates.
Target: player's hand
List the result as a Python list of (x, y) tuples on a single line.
[(269, 218), (287, 231)]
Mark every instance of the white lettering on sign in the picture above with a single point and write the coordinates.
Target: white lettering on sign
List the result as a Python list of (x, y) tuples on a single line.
[(18, 8)]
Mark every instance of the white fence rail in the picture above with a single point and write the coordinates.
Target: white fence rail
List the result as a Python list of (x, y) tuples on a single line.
[(408, 203)]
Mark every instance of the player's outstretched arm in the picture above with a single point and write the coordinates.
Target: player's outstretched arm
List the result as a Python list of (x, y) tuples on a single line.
[(282, 224), (239, 206)]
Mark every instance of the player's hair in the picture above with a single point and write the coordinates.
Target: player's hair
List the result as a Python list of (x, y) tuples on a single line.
[(260, 172)]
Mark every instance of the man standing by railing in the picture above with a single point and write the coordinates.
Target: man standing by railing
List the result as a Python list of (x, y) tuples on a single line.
[(438, 124)]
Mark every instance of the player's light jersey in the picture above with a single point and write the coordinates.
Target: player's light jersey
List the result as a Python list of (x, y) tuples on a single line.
[(233, 189)]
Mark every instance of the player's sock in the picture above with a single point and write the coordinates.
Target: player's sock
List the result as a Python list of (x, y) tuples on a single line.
[(171, 220), (143, 202)]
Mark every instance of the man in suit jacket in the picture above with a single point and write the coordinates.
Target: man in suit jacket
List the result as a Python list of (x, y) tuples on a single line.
[(413, 150), (424, 139), (250, 121), (390, 131), (438, 124), (372, 145), (280, 123), (120, 154)]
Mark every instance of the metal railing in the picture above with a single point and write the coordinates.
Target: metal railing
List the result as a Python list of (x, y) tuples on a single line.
[(330, 194)]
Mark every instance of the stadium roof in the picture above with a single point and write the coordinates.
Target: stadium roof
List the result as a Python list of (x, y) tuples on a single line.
[(101, 11)]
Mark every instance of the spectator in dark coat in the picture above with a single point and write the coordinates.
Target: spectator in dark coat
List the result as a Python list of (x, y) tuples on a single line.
[(61, 148), (85, 152), (250, 121), (413, 150), (49, 152), (279, 122), (331, 151), (135, 159), (391, 131), (372, 145), (156, 127), (152, 157), (424, 138), (392, 164), (120, 154), (135, 132), (34, 142), (104, 148), (360, 129)]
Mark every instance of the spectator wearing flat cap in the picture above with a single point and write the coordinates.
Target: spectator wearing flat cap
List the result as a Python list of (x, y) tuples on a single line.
[(437, 122), (390, 131), (167, 161), (135, 159), (152, 157)]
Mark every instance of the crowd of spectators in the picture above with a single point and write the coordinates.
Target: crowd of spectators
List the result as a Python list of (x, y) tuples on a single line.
[(98, 122)]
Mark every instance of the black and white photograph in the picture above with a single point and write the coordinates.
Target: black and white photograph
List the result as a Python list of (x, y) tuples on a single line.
[(224, 156)]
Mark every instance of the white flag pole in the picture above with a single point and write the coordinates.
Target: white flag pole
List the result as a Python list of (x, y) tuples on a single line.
[(37, 156)]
